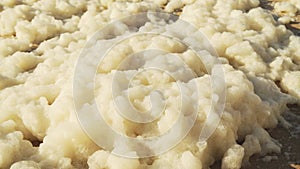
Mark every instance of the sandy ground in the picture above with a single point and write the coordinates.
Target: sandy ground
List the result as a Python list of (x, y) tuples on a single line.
[(290, 141)]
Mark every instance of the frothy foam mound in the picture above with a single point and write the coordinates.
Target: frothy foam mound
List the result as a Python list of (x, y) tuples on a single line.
[(167, 91)]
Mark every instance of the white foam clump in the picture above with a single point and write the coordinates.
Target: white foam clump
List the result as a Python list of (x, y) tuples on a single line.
[(36, 99)]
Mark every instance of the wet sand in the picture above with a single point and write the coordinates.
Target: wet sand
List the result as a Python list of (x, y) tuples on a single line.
[(290, 141)]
